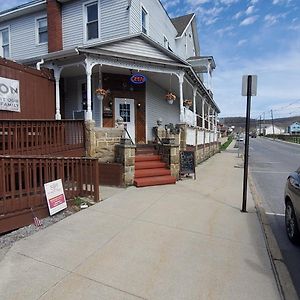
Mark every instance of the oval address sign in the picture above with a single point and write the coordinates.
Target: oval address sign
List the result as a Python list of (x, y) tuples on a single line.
[(138, 78)]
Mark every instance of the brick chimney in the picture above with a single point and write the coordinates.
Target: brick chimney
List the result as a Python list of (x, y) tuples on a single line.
[(55, 40)]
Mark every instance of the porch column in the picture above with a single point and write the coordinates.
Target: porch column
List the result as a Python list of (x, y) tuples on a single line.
[(194, 105), (57, 72), (89, 115), (203, 112), (181, 76)]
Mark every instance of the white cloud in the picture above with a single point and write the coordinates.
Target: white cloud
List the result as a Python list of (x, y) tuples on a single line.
[(250, 10), (224, 30), (238, 15), (271, 19), (241, 42), (252, 2), (249, 21)]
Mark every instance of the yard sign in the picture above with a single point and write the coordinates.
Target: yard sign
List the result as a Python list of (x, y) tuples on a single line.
[(55, 195), (9, 95)]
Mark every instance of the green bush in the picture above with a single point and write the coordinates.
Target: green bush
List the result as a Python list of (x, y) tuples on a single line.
[(226, 144)]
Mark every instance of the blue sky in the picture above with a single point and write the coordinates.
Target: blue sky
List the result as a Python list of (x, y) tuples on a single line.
[(259, 37)]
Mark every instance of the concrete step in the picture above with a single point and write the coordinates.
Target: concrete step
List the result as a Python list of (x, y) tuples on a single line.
[(151, 173), (158, 180), (149, 165), (147, 157)]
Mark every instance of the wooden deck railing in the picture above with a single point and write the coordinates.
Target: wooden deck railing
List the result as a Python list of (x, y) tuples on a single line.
[(22, 184), (41, 137)]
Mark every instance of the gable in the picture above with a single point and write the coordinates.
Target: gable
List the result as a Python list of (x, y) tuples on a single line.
[(138, 48)]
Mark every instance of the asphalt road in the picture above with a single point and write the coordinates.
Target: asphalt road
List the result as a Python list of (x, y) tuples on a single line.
[(270, 162)]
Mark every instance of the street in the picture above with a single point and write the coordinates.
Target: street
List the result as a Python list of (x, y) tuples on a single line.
[(270, 162)]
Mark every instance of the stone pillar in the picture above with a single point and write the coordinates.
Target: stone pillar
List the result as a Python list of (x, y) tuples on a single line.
[(171, 157), (182, 136), (90, 138), (125, 154)]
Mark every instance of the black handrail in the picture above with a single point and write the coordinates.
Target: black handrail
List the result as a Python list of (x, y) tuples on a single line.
[(128, 135)]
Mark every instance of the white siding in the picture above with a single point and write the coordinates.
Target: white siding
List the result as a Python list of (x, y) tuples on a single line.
[(135, 23), (114, 21), (157, 107), (159, 22), (114, 18), (138, 47), (23, 37), (72, 21), (185, 46)]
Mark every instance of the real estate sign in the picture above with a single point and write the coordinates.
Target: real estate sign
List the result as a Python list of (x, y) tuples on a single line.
[(55, 196), (9, 95)]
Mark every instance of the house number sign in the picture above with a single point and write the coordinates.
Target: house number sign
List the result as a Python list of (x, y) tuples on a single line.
[(138, 78)]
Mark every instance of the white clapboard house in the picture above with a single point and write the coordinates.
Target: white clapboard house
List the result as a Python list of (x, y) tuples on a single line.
[(129, 50)]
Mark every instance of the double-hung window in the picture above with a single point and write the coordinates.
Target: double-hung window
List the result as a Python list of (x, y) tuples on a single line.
[(42, 30), (166, 42), (4, 43), (145, 20), (92, 21)]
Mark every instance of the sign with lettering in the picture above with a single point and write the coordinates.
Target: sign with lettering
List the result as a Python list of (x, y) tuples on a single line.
[(55, 195), (9, 95), (138, 78), (187, 163)]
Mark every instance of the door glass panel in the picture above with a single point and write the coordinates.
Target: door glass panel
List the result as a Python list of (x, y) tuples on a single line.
[(125, 112)]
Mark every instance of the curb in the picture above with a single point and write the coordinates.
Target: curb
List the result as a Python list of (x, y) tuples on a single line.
[(282, 276)]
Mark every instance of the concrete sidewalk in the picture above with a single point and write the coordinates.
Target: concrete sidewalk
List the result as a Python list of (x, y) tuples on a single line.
[(184, 241)]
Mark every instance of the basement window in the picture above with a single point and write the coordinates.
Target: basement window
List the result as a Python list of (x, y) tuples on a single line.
[(92, 21), (42, 30)]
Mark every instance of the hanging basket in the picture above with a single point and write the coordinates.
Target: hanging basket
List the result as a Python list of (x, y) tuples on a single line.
[(101, 93), (170, 97)]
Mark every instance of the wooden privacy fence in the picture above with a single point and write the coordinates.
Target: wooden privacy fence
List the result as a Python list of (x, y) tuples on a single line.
[(29, 137), (22, 185)]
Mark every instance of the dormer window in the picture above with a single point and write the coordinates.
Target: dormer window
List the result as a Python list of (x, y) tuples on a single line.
[(4, 43), (42, 30), (145, 21), (92, 21)]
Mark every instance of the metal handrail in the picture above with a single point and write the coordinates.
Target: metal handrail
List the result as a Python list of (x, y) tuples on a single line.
[(128, 135)]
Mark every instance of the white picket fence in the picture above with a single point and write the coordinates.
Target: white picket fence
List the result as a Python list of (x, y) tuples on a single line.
[(209, 136)]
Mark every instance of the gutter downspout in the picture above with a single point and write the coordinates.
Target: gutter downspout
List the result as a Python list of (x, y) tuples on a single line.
[(38, 64)]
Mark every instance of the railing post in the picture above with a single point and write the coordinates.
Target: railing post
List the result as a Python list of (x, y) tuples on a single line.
[(96, 181)]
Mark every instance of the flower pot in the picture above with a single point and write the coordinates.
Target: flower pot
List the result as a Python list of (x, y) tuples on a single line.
[(170, 101), (99, 97)]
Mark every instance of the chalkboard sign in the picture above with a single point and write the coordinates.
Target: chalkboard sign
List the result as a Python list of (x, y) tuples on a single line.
[(187, 163)]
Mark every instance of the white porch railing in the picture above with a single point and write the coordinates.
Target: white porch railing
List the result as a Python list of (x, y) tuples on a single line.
[(191, 140), (188, 116)]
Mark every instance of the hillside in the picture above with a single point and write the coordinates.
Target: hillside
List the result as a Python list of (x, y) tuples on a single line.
[(240, 122)]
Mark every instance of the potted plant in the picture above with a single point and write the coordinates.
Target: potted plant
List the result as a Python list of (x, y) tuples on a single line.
[(170, 97), (101, 93)]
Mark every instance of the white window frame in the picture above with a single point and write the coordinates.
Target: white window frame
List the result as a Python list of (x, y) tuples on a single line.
[(84, 12), (147, 19), (9, 42), (166, 40), (37, 36)]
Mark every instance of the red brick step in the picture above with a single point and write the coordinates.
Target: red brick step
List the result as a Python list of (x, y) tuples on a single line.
[(157, 180), (149, 165), (151, 172), (147, 157)]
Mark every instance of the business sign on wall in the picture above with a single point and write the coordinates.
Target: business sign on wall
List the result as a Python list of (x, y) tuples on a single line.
[(55, 195), (9, 95), (138, 78)]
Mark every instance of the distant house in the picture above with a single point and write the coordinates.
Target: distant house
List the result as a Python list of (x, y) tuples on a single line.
[(294, 128), (268, 129)]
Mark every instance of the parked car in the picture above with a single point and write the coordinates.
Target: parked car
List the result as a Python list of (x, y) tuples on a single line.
[(292, 206), (253, 134)]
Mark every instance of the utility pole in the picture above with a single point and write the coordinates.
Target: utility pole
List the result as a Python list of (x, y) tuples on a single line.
[(273, 124), (260, 125)]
